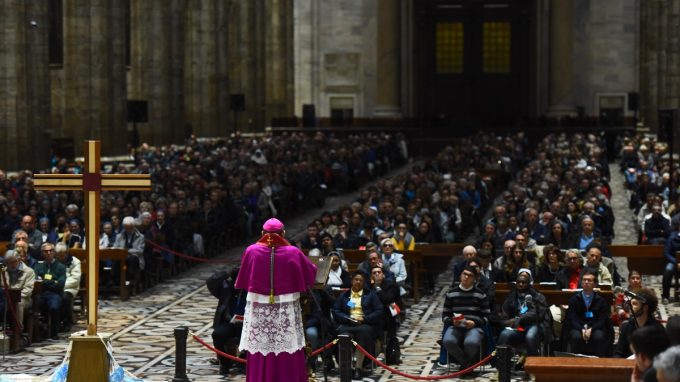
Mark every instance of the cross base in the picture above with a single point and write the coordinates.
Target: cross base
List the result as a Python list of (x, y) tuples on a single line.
[(89, 361)]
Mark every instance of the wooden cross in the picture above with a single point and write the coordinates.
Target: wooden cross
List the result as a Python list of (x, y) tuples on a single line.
[(92, 182)]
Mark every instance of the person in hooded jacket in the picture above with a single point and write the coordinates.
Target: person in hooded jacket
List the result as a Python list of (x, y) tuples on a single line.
[(672, 265)]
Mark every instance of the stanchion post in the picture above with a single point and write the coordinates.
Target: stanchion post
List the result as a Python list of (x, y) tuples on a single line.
[(181, 334), (345, 357), (503, 356)]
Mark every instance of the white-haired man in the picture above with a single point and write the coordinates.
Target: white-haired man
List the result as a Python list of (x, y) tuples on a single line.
[(132, 240), (19, 276), (71, 286)]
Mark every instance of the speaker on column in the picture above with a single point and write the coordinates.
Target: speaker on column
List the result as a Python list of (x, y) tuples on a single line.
[(137, 111), (308, 115), (633, 99), (667, 119), (237, 102)]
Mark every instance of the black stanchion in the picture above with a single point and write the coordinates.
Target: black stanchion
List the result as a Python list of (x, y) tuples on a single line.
[(503, 355), (345, 357), (181, 334)]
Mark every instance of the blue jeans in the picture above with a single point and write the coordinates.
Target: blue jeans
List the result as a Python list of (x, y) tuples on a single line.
[(528, 338), (668, 274), (50, 304), (463, 343), (313, 337)]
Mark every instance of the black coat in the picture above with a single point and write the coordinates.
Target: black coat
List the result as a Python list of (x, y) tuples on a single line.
[(537, 311), (576, 314)]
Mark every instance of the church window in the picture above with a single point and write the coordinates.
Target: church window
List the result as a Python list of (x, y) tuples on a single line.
[(496, 47), (449, 48)]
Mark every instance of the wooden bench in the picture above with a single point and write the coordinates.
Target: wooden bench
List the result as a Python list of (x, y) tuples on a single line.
[(412, 259), (115, 254), (567, 369), (646, 259)]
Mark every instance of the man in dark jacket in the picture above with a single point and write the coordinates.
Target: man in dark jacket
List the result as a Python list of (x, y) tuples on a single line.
[(228, 320), (526, 318), (53, 276), (656, 226), (672, 265), (642, 314), (588, 319), (388, 292)]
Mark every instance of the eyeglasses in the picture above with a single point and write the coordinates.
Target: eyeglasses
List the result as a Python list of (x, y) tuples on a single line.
[(572, 258), (388, 245), (521, 282)]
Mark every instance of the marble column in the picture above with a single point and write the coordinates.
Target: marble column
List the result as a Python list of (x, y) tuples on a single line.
[(561, 56), (92, 96), (157, 67), (24, 86), (388, 89), (649, 52), (278, 60)]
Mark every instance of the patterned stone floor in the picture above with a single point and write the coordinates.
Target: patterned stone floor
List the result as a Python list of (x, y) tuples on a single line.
[(142, 327)]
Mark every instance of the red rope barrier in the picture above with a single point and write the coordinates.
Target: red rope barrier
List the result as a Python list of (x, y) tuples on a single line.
[(327, 346), (233, 358), (418, 377), (218, 352), (194, 258)]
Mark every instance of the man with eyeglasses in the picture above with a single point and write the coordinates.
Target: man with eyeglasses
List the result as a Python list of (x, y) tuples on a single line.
[(53, 276), (588, 319), (569, 276), (395, 262)]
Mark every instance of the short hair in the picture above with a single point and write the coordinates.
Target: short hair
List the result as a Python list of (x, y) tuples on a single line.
[(128, 220), (60, 247), (470, 269), (11, 254), (649, 340), (46, 244), (668, 362), (357, 272), (673, 330), (589, 272), (376, 267)]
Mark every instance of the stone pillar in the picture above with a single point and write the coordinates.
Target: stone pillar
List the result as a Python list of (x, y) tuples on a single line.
[(278, 79), (206, 96), (388, 89), (561, 56), (24, 86), (157, 67), (672, 41), (93, 93), (649, 51)]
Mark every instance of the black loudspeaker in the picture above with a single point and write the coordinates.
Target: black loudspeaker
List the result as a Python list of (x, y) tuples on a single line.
[(667, 119), (633, 99), (137, 111), (308, 115), (63, 147), (237, 102)]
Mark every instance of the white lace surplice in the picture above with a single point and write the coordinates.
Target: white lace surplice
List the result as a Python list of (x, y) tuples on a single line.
[(272, 328)]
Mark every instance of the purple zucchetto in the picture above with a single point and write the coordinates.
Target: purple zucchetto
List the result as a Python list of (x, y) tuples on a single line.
[(272, 225)]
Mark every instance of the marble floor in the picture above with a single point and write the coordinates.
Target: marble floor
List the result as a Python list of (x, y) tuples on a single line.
[(142, 327)]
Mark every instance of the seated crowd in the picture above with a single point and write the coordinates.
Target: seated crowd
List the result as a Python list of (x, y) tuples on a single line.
[(206, 195)]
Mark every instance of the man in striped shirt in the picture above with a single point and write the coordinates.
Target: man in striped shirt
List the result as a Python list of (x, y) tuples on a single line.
[(466, 309)]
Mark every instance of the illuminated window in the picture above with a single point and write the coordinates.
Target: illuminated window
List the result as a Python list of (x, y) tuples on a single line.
[(496, 47), (449, 48)]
